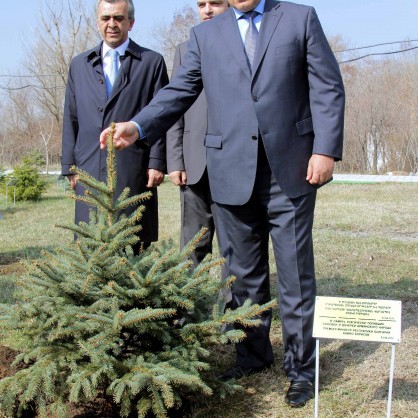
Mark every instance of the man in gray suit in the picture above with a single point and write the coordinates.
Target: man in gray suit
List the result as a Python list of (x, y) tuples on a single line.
[(275, 127), (186, 156), (92, 103)]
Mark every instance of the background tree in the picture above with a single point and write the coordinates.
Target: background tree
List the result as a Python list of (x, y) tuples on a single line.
[(381, 115), (35, 97), (168, 35), (65, 30), (46, 130)]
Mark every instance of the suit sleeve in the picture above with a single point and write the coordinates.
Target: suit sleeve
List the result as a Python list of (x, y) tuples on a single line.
[(175, 161), (157, 158), (174, 99), (326, 91), (70, 126)]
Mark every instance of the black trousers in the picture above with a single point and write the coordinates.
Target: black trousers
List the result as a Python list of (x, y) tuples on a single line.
[(197, 209)]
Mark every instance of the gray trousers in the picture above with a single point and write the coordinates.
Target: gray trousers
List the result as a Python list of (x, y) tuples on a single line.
[(246, 230)]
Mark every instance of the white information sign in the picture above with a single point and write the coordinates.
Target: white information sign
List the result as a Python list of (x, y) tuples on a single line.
[(358, 319)]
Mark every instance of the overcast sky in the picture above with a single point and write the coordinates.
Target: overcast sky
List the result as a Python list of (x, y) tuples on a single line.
[(360, 22)]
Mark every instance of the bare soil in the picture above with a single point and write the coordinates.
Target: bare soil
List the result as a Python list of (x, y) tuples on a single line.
[(6, 358), (9, 265)]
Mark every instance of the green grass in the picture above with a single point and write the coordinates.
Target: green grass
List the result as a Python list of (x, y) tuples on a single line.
[(366, 246), (29, 227)]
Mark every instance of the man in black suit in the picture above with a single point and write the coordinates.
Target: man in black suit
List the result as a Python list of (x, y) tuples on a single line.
[(186, 156), (275, 127), (93, 101)]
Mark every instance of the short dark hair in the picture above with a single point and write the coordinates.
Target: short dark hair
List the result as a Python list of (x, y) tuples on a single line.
[(131, 7)]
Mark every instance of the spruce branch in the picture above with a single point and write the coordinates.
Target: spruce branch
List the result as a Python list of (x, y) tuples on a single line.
[(96, 201), (90, 181), (130, 201), (111, 160)]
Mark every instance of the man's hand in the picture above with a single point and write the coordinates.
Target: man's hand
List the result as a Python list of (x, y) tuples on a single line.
[(72, 178), (320, 169), (178, 178), (126, 134), (155, 177)]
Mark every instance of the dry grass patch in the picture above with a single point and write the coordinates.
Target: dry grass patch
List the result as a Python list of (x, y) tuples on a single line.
[(353, 381), (381, 209)]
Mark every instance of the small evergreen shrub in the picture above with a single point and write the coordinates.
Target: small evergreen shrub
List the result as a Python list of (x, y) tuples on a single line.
[(30, 185), (2, 175), (3, 178)]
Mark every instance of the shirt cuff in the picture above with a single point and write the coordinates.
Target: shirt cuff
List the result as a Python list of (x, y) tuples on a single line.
[(140, 130)]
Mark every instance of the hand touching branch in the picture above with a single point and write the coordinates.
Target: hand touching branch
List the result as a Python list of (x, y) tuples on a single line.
[(126, 133)]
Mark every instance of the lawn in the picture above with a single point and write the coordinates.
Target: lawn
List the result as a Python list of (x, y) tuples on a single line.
[(366, 243)]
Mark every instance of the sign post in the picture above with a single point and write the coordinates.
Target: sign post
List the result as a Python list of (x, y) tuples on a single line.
[(357, 319), (11, 183)]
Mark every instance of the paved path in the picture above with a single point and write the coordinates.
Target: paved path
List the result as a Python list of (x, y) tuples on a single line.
[(361, 178)]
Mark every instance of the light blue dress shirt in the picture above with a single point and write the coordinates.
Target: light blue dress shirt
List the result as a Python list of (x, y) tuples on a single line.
[(243, 23)]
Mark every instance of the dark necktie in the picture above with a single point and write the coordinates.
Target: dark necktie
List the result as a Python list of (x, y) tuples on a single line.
[(251, 37)]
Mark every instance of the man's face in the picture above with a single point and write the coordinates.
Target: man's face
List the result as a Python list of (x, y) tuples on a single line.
[(113, 22), (210, 8), (244, 5)]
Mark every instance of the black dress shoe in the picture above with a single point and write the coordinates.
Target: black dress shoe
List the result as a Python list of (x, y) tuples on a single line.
[(299, 393), (239, 371)]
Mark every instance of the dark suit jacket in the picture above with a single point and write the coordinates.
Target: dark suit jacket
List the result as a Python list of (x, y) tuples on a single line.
[(87, 112), (185, 140), (294, 98)]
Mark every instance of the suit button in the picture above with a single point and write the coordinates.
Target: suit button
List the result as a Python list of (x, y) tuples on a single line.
[(255, 98), (101, 80), (100, 109), (255, 137)]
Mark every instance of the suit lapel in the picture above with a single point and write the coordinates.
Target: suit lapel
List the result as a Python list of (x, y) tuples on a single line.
[(271, 18), (94, 59), (230, 31)]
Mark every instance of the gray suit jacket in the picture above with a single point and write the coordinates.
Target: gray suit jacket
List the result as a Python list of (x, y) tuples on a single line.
[(88, 111), (294, 98), (186, 149)]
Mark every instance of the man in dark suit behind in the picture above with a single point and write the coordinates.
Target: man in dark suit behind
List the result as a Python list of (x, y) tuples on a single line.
[(186, 156), (92, 103), (275, 127)]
